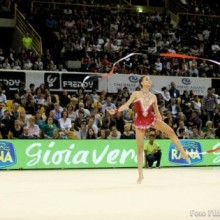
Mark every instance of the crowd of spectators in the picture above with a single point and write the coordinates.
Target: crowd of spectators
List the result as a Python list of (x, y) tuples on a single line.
[(36, 113), (98, 37), (203, 7)]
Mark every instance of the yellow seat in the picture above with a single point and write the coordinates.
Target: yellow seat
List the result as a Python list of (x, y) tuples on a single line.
[(179, 101), (72, 135), (6, 108), (10, 135), (9, 103), (57, 97), (131, 112)]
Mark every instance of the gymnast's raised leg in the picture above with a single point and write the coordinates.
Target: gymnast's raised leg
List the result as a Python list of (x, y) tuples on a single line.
[(162, 126)]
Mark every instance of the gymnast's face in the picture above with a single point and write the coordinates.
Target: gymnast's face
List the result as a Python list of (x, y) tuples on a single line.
[(146, 82)]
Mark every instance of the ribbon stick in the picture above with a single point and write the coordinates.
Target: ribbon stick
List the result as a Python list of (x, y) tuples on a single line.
[(215, 148)]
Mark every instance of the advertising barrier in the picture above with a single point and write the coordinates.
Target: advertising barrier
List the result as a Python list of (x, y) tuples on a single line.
[(198, 85), (69, 154), (72, 81)]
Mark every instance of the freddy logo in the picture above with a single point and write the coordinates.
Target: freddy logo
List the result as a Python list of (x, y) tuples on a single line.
[(7, 154), (52, 80), (192, 148)]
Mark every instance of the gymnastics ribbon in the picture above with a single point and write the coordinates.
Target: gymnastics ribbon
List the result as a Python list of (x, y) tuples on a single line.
[(184, 56), (111, 71), (170, 55), (118, 61)]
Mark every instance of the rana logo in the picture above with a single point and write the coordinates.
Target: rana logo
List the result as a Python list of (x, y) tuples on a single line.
[(193, 148), (133, 79), (186, 81), (7, 154)]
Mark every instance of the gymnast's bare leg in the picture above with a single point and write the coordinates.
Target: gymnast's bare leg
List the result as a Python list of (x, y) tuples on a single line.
[(140, 133), (162, 126)]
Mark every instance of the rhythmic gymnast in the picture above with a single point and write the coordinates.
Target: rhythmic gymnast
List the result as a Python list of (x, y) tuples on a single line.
[(147, 116)]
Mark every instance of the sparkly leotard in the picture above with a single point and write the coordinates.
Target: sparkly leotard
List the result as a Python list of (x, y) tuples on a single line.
[(144, 116)]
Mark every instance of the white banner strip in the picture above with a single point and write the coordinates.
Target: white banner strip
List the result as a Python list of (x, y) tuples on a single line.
[(198, 85)]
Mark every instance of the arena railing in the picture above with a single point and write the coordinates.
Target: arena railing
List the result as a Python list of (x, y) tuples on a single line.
[(25, 27), (135, 9), (193, 17)]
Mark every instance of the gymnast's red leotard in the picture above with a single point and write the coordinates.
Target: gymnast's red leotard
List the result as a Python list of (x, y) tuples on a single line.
[(144, 116)]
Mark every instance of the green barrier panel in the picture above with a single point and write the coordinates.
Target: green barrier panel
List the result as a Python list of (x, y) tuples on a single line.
[(62, 154)]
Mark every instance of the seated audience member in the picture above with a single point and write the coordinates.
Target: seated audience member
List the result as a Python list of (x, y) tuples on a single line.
[(15, 110), (108, 105), (90, 134), (91, 124), (208, 131), (64, 99), (25, 134), (79, 120), (71, 112), (49, 105), (81, 108), (23, 118), (80, 94), (114, 133), (52, 115), (34, 129), (196, 104), (57, 111), (120, 121), (182, 126), (6, 124), (108, 121), (185, 100), (166, 95), (3, 98), (174, 92), (216, 118), (174, 108), (57, 135), (103, 134), (16, 131), (2, 110), (152, 152), (195, 121), (209, 135), (83, 131), (195, 133), (96, 117), (49, 128), (38, 120), (65, 123), (28, 102), (217, 131), (17, 98), (127, 134), (182, 134)]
